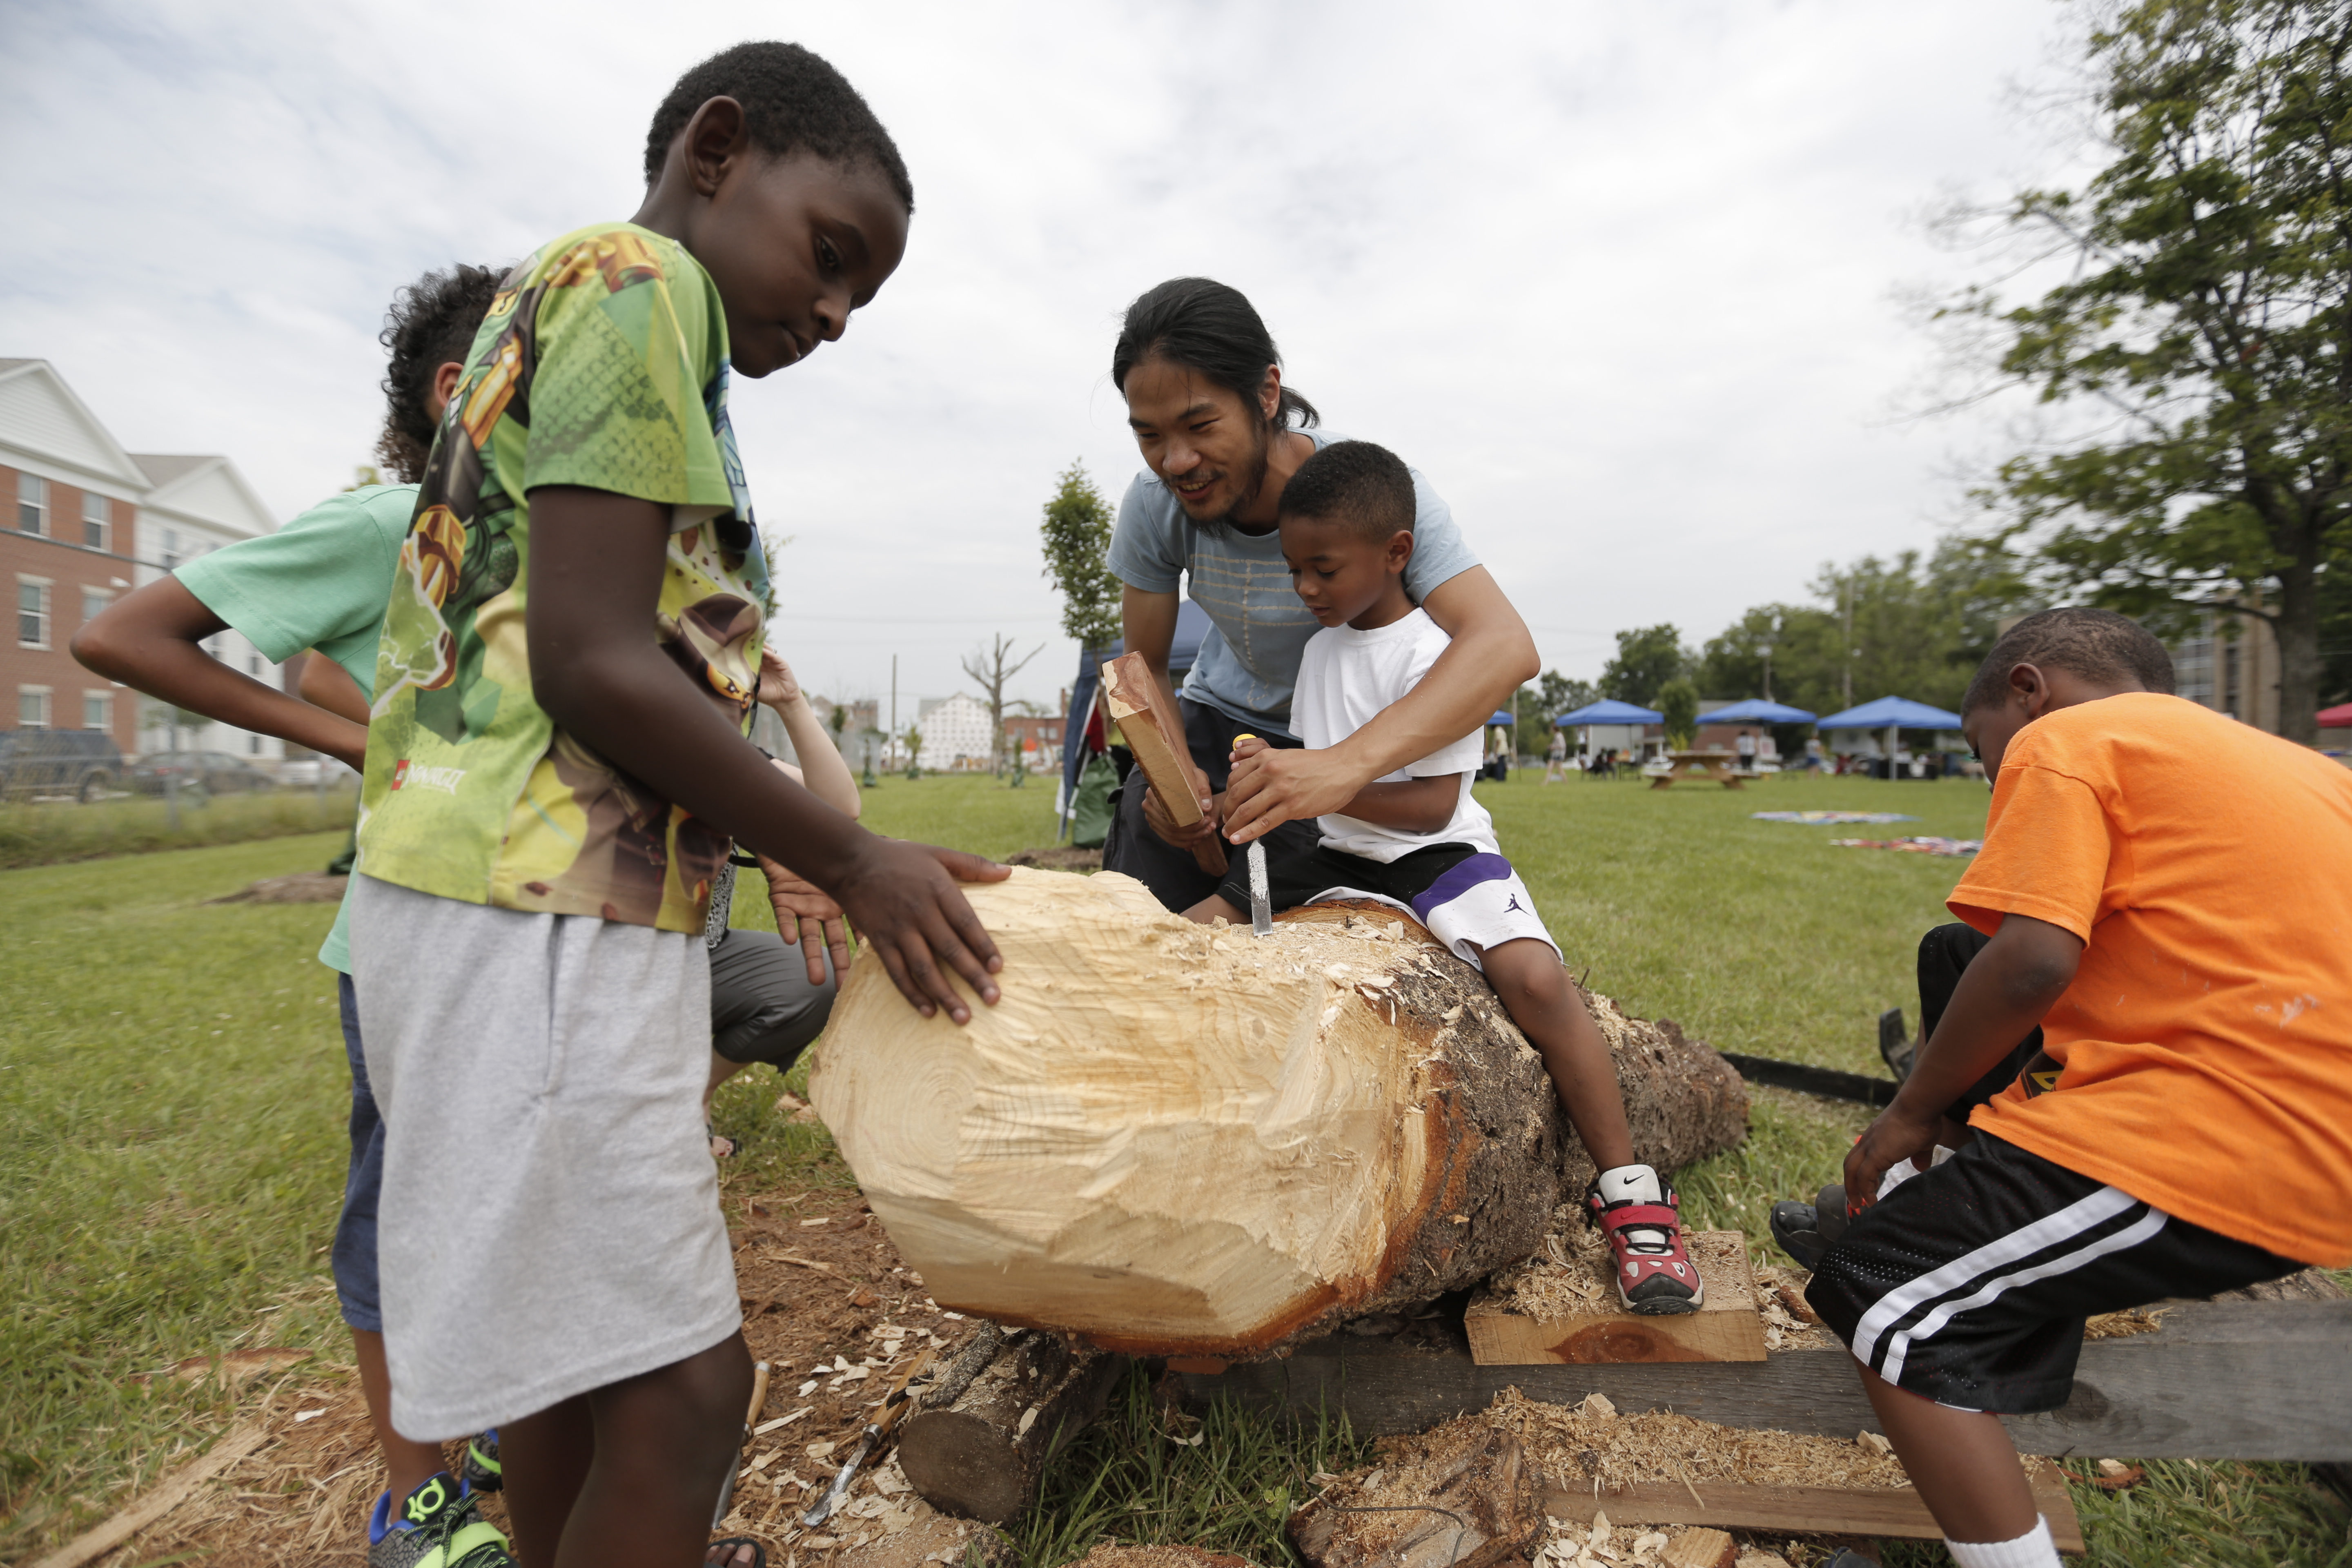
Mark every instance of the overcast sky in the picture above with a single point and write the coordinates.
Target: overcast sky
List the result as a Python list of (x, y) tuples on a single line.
[(1622, 282)]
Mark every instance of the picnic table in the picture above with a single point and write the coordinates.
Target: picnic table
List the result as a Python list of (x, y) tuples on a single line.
[(1718, 764)]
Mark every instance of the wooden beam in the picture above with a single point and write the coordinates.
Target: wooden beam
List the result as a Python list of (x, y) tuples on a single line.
[(1894, 1512), (2220, 1380)]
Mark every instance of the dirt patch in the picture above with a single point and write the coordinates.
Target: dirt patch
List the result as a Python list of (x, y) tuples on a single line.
[(827, 1303), (301, 888), (1110, 1554)]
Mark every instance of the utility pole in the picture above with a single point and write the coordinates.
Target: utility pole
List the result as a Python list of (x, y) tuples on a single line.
[(1845, 601), (1768, 658), (889, 751)]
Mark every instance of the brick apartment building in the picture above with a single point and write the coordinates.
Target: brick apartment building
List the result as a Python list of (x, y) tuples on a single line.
[(82, 521)]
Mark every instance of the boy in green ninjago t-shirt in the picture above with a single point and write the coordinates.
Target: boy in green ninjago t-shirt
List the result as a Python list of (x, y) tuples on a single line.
[(556, 762)]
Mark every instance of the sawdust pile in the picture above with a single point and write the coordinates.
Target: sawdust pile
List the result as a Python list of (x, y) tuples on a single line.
[(1578, 1447)]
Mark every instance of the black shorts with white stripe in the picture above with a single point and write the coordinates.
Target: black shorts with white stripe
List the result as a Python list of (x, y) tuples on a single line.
[(1969, 1283)]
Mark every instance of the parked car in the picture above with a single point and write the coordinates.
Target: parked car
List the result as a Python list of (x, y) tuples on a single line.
[(302, 773), (83, 764), (205, 773)]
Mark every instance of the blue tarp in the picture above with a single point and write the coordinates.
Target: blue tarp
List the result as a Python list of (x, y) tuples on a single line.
[(1899, 711), (1502, 718), (1756, 710), (1191, 626), (1609, 710)]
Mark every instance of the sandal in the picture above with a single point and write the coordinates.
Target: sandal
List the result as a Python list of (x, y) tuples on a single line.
[(717, 1153), (759, 1553)]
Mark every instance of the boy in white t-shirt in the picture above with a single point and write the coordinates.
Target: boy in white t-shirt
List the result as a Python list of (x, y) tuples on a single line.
[(1420, 841)]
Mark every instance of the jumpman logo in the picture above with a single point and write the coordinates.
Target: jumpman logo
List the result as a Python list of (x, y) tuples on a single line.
[(1514, 904)]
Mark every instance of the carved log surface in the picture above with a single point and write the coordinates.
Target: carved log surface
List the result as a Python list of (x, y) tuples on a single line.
[(1175, 1140)]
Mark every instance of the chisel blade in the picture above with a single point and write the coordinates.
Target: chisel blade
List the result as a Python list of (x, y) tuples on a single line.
[(1261, 902)]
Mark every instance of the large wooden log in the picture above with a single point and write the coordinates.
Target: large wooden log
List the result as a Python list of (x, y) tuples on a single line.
[(1172, 1138)]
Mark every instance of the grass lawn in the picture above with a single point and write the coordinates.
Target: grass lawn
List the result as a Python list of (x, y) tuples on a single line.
[(171, 1090)]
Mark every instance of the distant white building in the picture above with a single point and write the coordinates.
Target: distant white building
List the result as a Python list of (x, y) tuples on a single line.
[(955, 731), (85, 522)]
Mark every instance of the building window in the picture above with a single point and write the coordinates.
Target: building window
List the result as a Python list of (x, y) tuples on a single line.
[(95, 517), (33, 707), (32, 612), (253, 746), (32, 503), (93, 604), (171, 549), (253, 665), (2192, 670), (98, 709)]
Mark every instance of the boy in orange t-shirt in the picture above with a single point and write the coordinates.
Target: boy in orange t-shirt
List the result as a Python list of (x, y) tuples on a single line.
[(2164, 891)]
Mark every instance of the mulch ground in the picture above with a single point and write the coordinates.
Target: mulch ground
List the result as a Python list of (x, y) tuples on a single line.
[(827, 1303)]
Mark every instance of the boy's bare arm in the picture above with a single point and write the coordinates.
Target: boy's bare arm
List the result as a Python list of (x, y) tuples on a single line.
[(1491, 657), (152, 641), (597, 564), (326, 684), (2004, 992), (1413, 806)]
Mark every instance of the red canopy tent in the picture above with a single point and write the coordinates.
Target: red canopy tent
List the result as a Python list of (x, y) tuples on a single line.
[(2336, 718)]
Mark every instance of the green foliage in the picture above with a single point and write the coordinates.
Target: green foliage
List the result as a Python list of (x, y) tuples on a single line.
[(48, 832), (1538, 705), (2206, 325), (1678, 700), (1647, 659), (1906, 629), (1076, 532)]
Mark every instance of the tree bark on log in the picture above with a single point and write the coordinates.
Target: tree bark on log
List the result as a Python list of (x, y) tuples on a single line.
[(1172, 1139), (983, 1451)]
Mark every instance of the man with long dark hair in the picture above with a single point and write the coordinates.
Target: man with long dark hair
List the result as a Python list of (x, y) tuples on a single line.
[(1221, 434)]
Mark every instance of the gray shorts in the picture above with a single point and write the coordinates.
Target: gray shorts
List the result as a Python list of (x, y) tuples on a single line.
[(550, 1219)]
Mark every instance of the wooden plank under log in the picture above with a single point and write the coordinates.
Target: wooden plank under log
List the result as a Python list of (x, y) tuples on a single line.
[(1894, 1512), (1724, 1328), (2226, 1379), (1156, 736)]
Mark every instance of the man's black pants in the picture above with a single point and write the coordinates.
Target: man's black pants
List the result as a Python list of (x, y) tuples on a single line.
[(1172, 874)]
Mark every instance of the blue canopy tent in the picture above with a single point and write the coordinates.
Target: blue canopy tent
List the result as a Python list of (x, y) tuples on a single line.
[(1890, 714), (1756, 710), (1192, 624), (1608, 711)]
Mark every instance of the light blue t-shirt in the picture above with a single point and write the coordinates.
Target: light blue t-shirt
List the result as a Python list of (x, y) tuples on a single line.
[(322, 581), (1249, 661)]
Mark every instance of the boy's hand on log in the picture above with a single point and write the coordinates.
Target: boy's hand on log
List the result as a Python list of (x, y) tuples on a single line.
[(804, 910), (902, 897), (1287, 783), (1896, 1134)]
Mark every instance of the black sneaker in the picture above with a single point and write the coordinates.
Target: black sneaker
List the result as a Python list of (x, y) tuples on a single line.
[(479, 1469), (439, 1527), (1806, 1231), (1896, 1044)]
